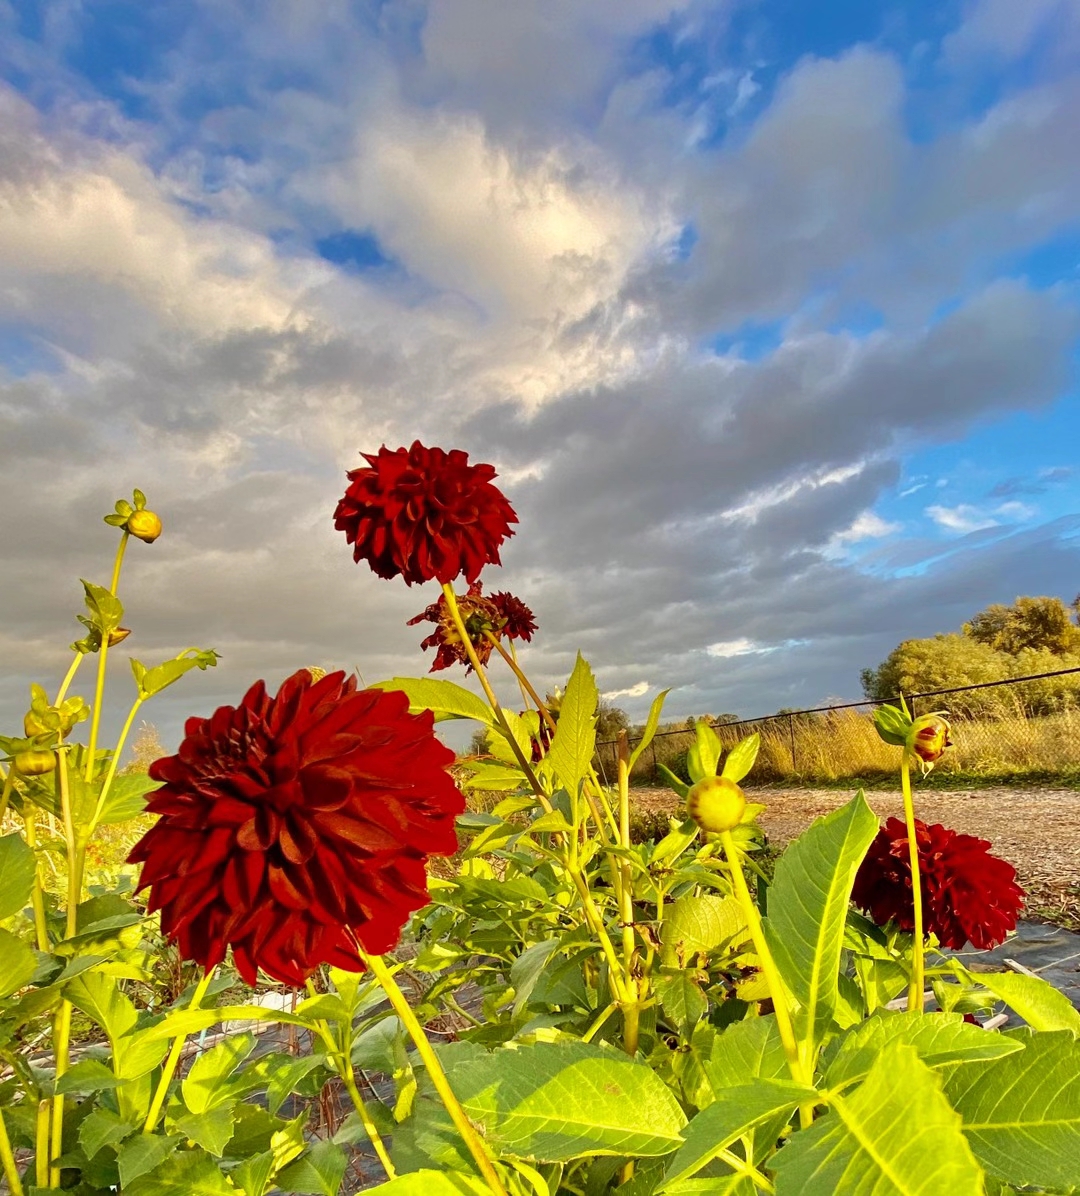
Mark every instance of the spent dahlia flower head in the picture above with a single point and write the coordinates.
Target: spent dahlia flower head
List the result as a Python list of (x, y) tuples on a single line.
[(968, 894), (292, 828), (425, 514), (501, 615)]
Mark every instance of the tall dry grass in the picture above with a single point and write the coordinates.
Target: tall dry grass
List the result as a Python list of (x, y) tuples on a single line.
[(844, 745)]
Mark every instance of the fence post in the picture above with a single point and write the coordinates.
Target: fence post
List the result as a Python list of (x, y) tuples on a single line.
[(791, 740)]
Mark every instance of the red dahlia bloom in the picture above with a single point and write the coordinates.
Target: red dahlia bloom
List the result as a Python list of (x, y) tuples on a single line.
[(968, 894), (293, 827), (479, 614), (518, 622), (424, 513)]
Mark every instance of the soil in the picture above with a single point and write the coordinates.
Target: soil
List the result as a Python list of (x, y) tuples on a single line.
[(1036, 829)]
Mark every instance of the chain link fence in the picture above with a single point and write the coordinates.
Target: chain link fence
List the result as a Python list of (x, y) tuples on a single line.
[(1009, 728)]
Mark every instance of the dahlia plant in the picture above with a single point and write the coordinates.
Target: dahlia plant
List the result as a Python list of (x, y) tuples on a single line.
[(663, 1017)]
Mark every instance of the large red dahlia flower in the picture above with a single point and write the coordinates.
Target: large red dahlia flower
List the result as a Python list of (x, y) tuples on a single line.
[(968, 894), (293, 828), (424, 513)]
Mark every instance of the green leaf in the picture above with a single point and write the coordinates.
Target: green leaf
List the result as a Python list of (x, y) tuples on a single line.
[(191, 1021), (697, 925), (734, 1112), (102, 1127), (895, 1135), (433, 1183), (282, 1074), (704, 753), (750, 1049), (319, 1171), (565, 1100), (100, 998), (493, 777), (741, 758), (17, 868), (126, 798), (106, 610), (142, 1154), (808, 905), (1041, 1005), (944, 1038), (651, 723), (88, 1075), (189, 1173), (211, 1129), (574, 741), (672, 781), (554, 821), (17, 964), (254, 1173), (1022, 1113), (153, 681), (443, 698), (681, 998), (527, 968), (206, 1086)]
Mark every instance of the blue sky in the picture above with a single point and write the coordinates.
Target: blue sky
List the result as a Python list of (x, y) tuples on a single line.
[(766, 312)]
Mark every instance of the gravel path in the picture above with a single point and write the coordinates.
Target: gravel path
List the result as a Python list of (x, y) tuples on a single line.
[(1036, 830)]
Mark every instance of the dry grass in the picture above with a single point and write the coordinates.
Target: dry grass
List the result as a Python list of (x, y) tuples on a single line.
[(844, 746)]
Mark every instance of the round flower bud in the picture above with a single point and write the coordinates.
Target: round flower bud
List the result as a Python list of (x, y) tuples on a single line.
[(929, 737), (33, 724), (144, 525), (35, 762), (716, 804)]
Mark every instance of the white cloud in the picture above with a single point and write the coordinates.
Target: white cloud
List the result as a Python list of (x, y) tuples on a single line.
[(868, 526), (739, 647), (634, 691), (963, 519)]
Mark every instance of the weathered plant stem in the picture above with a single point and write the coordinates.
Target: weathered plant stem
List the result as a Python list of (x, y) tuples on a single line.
[(915, 988), (7, 1158), (342, 1057), (476, 1145), (173, 1058)]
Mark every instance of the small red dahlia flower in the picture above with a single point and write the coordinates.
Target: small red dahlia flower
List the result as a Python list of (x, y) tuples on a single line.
[(479, 614), (424, 513), (518, 622), (968, 894), (294, 827)]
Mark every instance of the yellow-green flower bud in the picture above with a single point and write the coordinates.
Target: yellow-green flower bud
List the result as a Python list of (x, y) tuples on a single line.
[(144, 525), (35, 763), (34, 724), (929, 737), (716, 804)]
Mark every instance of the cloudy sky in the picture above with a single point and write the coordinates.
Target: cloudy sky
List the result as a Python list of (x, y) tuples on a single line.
[(766, 312)]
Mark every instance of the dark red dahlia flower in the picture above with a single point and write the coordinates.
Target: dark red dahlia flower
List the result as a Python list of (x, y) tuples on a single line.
[(424, 513), (293, 827), (480, 616), (968, 894), (518, 622)]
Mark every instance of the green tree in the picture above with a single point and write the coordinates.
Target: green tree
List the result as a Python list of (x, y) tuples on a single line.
[(942, 662), (1042, 623)]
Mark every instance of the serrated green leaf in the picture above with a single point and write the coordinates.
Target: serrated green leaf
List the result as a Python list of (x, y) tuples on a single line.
[(17, 868), (189, 1173), (895, 1135), (808, 905), (318, 1172), (443, 698), (106, 610), (553, 821), (152, 681), (651, 723), (750, 1049), (254, 1173), (17, 964), (734, 1112), (102, 1127), (1022, 1113), (556, 1101), (210, 1129), (941, 1039), (741, 758), (126, 798), (493, 777), (697, 925), (142, 1154), (1041, 1005), (527, 968), (682, 999), (88, 1075), (574, 742), (206, 1086)]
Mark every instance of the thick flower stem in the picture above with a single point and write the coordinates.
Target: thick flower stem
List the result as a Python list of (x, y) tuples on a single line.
[(41, 1145), (915, 989), (7, 1158), (37, 899), (477, 1147), (61, 1046), (632, 1011), (103, 652), (777, 988), (169, 1070)]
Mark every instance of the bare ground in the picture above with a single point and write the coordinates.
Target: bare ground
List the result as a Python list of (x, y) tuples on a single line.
[(1037, 830)]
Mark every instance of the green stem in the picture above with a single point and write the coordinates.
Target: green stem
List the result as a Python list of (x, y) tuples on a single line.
[(632, 1011), (915, 989), (5, 796), (74, 864), (747, 1169), (169, 1070), (597, 1025), (777, 989), (41, 1145), (113, 763), (37, 900), (342, 1058), (477, 1147), (61, 1046), (73, 668), (7, 1157), (103, 652)]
